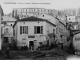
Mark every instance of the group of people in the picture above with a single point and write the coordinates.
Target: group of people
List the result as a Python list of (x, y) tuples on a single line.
[(6, 49)]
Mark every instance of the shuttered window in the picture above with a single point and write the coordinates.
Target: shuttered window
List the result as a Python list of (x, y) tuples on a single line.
[(27, 30), (35, 30), (20, 29), (23, 29), (38, 29), (41, 29)]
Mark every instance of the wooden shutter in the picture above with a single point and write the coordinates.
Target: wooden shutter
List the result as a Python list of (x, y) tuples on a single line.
[(41, 29), (20, 29), (35, 29), (27, 30)]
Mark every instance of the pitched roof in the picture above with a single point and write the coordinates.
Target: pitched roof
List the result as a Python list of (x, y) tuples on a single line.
[(75, 32), (6, 26), (8, 18), (33, 19)]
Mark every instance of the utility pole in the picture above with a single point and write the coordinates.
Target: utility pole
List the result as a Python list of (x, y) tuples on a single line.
[(66, 27), (0, 32)]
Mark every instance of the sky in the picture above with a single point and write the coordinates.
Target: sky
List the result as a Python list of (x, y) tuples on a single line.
[(8, 5)]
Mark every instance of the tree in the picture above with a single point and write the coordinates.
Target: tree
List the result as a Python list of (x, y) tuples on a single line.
[(17, 17), (71, 48)]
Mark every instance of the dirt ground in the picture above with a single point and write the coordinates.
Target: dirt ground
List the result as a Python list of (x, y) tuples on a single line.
[(56, 54)]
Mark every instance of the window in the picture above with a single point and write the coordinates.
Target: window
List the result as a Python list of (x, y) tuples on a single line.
[(38, 10), (21, 10), (24, 15), (14, 33), (34, 10), (38, 29), (38, 13), (41, 29), (40, 43), (53, 31), (29, 10), (41, 10), (48, 10), (5, 40), (20, 29), (69, 18), (35, 29), (23, 29), (5, 30), (43, 15), (26, 29), (11, 24)]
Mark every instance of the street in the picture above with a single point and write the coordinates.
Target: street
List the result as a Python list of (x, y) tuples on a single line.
[(56, 54)]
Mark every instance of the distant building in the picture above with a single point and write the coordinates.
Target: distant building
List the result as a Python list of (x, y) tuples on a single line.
[(78, 18), (7, 33), (60, 23), (48, 17), (1, 14), (34, 31), (77, 23), (61, 31), (70, 12), (27, 12), (7, 28), (71, 18), (62, 19), (77, 26), (8, 20)]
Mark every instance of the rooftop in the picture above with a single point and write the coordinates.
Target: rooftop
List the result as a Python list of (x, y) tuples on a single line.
[(33, 19)]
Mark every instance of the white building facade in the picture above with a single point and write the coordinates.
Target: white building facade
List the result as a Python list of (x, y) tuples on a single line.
[(60, 22), (7, 29), (71, 18), (33, 31), (48, 17), (27, 12), (7, 34), (8, 20)]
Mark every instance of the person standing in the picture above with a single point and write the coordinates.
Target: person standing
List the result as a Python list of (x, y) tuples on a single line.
[(5, 48), (7, 51)]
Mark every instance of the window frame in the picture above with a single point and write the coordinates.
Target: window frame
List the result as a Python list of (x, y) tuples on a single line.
[(23, 29), (36, 30)]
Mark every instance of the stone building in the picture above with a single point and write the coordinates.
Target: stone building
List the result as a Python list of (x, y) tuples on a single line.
[(27, 12), (34, 31)]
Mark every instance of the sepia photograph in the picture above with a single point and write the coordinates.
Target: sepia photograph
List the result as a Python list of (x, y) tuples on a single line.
[(39, 29)]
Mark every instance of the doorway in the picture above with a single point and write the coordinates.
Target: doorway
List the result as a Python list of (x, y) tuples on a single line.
[(31, 45), (5, 40)]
